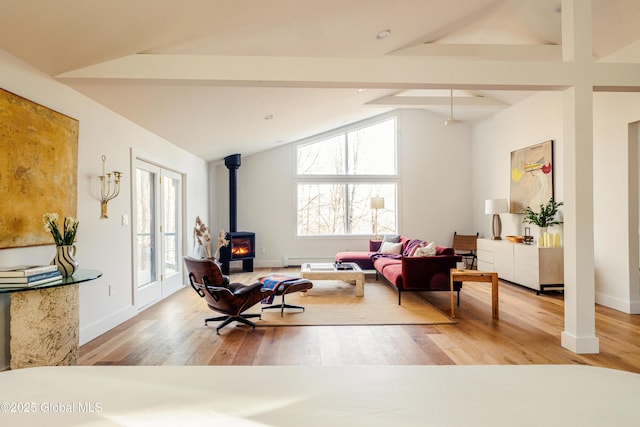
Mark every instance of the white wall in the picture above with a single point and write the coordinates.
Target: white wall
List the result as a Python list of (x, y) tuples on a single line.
[(102, 244), (539, 118), (536, 119), (434, 194), (616, 266)]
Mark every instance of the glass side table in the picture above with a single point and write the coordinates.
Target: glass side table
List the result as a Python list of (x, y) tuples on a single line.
[(45, 322)]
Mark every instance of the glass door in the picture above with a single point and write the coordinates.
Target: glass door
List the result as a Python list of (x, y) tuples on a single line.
[(158, 236), (171, 184)]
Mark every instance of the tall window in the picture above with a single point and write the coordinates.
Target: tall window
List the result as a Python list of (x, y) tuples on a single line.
[(338, 176)]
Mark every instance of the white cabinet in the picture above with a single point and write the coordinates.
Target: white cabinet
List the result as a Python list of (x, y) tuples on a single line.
[(526, 265), (503, 262), (496, 255)]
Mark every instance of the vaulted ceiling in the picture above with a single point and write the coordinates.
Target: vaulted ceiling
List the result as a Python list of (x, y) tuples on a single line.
[(218, 77)]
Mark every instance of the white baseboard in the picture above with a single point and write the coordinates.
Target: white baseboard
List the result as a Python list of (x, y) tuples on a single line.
[(269, 263), (297, 261), (634, 307), (625, 306), (580, 345), (104, 325)]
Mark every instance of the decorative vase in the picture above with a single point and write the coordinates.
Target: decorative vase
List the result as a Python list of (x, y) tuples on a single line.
[(65, 260)]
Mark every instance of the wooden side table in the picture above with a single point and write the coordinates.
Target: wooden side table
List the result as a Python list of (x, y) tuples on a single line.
[(475, 276)]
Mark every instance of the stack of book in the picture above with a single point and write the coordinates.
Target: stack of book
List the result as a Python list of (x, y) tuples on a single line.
[(28, 275)]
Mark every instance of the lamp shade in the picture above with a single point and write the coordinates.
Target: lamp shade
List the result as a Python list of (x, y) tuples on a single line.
[(377, 202), (496, 206)]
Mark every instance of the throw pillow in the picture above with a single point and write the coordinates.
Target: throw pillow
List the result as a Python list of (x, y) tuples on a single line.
[(429, 250), (389, 248), (410, 249), (393, 238)]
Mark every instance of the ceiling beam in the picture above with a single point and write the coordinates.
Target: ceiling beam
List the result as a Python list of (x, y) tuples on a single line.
[(400, 72), (387, 72), (430, 101), (513, 52)]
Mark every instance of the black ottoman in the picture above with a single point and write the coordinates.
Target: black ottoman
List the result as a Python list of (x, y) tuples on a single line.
[(284, 286)]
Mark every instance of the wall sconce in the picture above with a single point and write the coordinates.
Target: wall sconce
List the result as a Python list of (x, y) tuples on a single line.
[(375, 204), (109, 188)]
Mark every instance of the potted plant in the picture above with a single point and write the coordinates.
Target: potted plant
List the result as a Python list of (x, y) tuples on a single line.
[(546, 217)]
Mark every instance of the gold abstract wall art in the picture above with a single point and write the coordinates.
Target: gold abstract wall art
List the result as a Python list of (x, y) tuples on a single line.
[(38, 169), (531, 176)]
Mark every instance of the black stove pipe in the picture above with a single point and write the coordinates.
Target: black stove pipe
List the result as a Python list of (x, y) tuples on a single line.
[(232, 163)]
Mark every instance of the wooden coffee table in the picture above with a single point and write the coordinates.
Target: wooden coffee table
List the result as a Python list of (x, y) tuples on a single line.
[(329, 271), (475, 276)]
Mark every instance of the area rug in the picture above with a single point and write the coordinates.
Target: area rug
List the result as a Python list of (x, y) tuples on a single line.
[(333, 302)]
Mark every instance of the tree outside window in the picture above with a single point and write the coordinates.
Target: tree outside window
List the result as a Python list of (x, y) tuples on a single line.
[(337, 177)]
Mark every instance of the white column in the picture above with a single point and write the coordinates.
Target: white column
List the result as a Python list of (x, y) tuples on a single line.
[(579, 294)]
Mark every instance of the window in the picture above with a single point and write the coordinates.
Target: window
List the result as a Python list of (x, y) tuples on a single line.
[(338, 176)]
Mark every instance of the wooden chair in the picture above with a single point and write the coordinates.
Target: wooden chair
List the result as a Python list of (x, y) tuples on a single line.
[(466, 246), (230, 299)]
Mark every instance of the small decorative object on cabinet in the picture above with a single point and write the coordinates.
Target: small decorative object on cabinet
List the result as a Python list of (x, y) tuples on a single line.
[(528, 238), (515, 239)]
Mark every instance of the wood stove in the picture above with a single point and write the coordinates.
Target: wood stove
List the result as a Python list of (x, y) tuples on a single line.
[(241, 247), (242, 244)]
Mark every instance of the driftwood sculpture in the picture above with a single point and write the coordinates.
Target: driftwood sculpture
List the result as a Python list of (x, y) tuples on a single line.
[(202, 239)]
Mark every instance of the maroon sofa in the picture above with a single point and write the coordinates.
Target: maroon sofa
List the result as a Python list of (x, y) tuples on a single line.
[(406, 273)]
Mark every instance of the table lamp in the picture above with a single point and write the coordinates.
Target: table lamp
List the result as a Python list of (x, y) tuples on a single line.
[(495, 207)]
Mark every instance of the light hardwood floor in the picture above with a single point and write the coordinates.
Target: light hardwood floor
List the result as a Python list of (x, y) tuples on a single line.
[(172, 333)]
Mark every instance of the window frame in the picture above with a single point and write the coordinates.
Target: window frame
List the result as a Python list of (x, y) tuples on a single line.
[(347, 179)]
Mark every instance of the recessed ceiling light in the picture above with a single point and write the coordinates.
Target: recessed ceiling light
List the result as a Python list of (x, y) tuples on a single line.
[(383, 34)]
